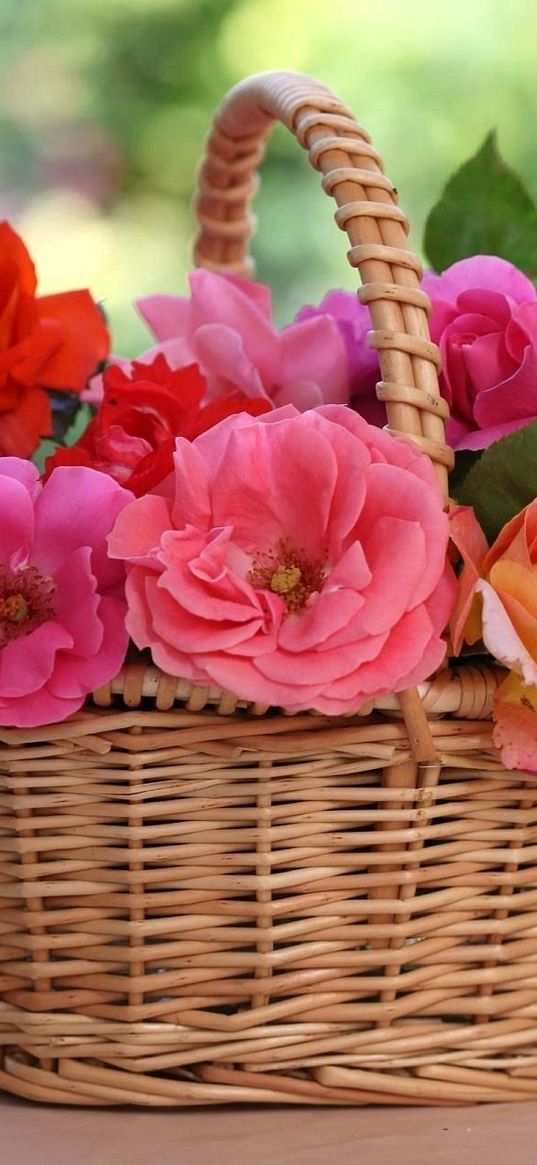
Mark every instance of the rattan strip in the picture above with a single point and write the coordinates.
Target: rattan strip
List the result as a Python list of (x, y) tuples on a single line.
[(363, 252), (467, 692), (415, 395), (353, 174), (367, 210), (393, 291)]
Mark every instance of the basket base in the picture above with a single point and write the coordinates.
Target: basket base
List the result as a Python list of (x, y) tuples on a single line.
[(72, 1069)]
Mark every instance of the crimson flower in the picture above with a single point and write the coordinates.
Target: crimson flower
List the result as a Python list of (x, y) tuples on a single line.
[(51, 341), (144, 408)]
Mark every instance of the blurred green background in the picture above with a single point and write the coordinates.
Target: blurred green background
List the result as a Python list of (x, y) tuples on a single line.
[(104, 105)]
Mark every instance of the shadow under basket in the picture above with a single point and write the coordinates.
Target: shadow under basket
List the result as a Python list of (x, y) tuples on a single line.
[(204, 901)]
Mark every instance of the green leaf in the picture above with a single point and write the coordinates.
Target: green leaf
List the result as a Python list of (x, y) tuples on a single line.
[(484, 210), (44, 450), (464, 460), (82, 419), (503, 481)]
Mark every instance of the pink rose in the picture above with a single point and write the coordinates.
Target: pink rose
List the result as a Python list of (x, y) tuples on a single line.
[(484, 319), (298, 561), (354, 323), (62, 603), (226, 328)]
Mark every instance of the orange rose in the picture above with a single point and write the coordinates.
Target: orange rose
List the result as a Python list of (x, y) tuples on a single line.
[(55, 342), (509, 592), (505, 578)]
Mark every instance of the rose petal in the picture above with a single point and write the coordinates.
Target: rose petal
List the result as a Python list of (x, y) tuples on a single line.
[(27, 663), (166, 315), (470, 541), (17, 525), (487, 271), (40, 707), (75, 675), (315, 344), (138, 529), (83, 335), (222, 301), (77, 507), (500, 637), (515, 724), (76, 602), (272, 487)]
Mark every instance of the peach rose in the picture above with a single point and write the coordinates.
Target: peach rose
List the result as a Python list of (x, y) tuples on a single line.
[(506, 580), (509, 592)]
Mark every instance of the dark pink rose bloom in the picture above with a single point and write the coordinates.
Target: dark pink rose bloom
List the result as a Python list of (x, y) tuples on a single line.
[(484, 319), (62, 600)]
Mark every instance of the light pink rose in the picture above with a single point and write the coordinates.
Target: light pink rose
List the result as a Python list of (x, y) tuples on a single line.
[(484, 319), (226, 328), (62, 603), (298, 561)]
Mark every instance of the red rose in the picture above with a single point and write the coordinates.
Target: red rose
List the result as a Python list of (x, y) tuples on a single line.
[(143, 410), (55, 341)]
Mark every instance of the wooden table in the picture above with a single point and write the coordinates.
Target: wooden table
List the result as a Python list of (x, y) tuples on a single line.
[(487, 1135)]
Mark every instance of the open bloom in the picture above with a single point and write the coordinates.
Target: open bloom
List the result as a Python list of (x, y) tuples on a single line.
[(505, 578), (484, 319), (54, 341), (226, 328), (62, 603), (299, 560), (143, 410)]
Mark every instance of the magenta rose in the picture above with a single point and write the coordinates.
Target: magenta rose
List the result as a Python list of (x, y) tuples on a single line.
[(299, 561), (354, 322), (62, 601), (484, 319)]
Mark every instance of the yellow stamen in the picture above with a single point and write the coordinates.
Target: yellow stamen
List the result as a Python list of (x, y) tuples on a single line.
[(288, 573), (285, 579), (14, 608)]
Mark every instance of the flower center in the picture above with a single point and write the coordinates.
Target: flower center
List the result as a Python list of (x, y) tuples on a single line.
[(285, 579), (287, 572), (25, 602)]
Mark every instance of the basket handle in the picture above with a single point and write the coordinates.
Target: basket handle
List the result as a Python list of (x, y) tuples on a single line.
[(367, 210)]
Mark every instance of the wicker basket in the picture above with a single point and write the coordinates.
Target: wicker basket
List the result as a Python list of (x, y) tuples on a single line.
[(204, 902)]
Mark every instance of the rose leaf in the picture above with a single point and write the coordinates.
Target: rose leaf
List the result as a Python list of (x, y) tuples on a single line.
[(503, 481), (79, 424), (464, 460), (484, 209), (45, 449)]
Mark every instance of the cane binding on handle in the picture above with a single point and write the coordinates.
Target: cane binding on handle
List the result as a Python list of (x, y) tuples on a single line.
[(367, 210)]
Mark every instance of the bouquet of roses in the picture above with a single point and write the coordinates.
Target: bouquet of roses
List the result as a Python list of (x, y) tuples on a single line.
[(231, 502)]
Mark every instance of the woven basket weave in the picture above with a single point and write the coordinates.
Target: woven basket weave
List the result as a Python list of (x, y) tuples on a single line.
[(203, 901)]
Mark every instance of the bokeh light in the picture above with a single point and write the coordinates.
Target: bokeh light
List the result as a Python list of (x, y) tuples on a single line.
[(104, 105)]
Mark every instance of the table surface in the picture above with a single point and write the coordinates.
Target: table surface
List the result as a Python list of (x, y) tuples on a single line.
[(484, 1135)]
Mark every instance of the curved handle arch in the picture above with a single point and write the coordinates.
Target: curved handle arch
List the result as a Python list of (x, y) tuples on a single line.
[(368, 211)]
